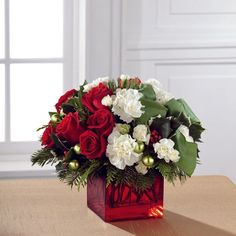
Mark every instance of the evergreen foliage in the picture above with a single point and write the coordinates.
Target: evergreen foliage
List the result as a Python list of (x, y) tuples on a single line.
[(44, 156)]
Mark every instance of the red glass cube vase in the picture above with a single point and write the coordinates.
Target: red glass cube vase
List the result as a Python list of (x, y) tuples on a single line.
[(123, 202)]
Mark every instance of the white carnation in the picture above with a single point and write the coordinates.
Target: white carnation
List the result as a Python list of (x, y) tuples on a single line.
[(162, 96), (126, 104), (165, 150), (107, 101), (140, 133), (95, 83), (185, 131), (120, 150), (141, 168)]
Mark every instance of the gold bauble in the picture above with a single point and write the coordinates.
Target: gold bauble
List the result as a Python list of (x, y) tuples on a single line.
[(139, 148), (77, 149), (55, 118), (74, 165), (148, 160)]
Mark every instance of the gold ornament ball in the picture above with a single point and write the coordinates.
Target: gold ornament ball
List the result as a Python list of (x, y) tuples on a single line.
[(55, 118), (77, 149), (74, 165), (148, 161), (139, 148)]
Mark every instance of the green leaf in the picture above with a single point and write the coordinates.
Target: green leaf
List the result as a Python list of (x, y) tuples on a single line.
[(74, 102), (69, 155), (163, 126), (151, 109), (176, 107), (188, 154), (58, 142), (148, 92), (112, 85), (183, 119), (52, 113), (188, 111), (195, 130)]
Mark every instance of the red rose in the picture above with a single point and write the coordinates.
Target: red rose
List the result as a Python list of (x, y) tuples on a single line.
[(70, 128), (92, 99), (102, 121), (46, 137), (64, 98), (92, 145)]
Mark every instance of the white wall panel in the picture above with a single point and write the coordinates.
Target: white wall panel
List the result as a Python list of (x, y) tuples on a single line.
[(179, 23), (190, 46)]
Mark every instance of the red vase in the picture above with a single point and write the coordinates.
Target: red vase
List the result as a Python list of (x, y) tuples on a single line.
[(123, 202)]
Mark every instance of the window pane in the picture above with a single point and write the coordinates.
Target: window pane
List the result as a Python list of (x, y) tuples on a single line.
[(2, 33), (2, 103), (35, 89), (36, 28)]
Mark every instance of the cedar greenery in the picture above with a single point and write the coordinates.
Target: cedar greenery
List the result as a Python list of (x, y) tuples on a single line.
[(130, 176), (44, 156)]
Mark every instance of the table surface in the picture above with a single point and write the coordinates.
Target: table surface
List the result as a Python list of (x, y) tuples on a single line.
[(204, 205)]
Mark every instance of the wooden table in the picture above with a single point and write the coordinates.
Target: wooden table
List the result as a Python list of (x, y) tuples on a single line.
[(205, 205)]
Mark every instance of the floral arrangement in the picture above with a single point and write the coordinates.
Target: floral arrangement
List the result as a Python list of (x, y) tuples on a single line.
[(126, 130)]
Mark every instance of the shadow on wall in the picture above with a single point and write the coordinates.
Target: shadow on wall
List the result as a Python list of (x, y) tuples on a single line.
[(171, 225)]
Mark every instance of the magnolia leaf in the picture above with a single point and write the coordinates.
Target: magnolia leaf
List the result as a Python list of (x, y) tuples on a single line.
[(183, 119), (188, 154), (175, 123), (188, 111), (151, 109), (148, 92), (176, 107), (195, 130), (163, 126)]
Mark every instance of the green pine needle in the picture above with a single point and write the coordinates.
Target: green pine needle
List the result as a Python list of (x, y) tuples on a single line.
[(44, 156)]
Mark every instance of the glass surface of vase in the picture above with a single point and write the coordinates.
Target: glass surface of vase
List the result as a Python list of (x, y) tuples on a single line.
[(123, 202)]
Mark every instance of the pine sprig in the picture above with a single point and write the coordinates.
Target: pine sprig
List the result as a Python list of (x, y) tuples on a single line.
[(44, 156), (130, 177), (171, 172), (112, 174), (79, 177)]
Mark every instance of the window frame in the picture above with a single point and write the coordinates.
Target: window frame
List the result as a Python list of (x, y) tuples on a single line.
[(72, 61)]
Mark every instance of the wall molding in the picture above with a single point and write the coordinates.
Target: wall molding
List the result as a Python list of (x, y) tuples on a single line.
[(185, 45), (189, 61), (168, 31), (172, 11)]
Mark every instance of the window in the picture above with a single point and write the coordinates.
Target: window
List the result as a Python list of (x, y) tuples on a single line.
[(37, 52)]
